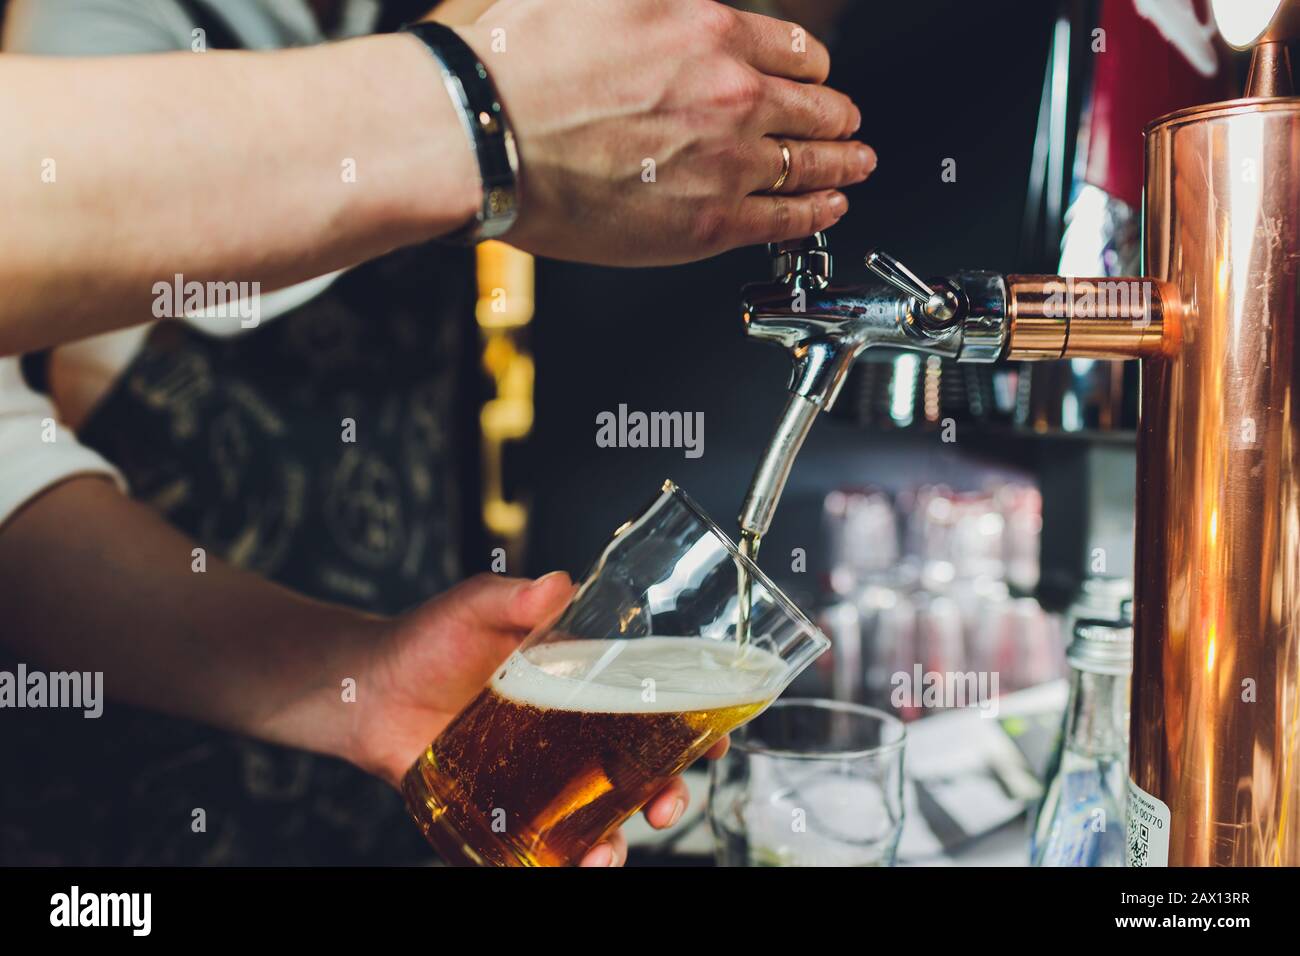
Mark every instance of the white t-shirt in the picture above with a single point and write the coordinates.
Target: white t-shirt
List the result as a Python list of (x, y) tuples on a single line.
[(38, 447)]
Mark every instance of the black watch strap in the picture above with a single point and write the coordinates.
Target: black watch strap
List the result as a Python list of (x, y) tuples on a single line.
[(476, 100)]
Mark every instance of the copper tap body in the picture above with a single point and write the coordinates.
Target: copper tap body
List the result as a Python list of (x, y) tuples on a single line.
[(1216, 681)]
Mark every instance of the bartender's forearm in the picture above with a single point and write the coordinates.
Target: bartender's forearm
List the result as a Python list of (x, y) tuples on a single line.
[(94, 581), (310, 160)]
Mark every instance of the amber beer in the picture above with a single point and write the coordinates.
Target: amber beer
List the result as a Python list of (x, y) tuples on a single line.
[(572, 737)]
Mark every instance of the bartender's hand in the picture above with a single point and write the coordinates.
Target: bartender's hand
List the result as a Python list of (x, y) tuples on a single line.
[(438, 657), (650, 130)]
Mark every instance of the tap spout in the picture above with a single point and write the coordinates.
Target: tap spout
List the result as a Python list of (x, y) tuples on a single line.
[(774, 468)]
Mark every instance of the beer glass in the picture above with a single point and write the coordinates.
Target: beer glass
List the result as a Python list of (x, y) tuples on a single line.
[(642, 672), (810, 783)]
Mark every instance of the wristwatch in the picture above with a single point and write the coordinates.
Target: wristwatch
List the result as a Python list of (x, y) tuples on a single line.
[(476, 101)]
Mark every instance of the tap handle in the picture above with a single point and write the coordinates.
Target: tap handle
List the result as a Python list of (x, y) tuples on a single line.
[(809, 257), (898, 275), (803, 244), (939, 305)]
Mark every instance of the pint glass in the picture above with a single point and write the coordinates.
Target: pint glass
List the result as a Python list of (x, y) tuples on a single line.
[(642, 672)]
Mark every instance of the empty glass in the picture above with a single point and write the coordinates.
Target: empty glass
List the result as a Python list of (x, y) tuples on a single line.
[(810, 783)]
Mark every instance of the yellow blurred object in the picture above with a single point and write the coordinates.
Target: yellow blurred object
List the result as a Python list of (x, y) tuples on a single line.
[(503, 311)]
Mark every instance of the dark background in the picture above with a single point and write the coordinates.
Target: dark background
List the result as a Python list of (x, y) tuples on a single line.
[(933, 79)]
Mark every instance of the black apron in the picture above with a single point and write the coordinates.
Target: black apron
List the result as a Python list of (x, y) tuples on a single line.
[(240, 444), (318, 449)]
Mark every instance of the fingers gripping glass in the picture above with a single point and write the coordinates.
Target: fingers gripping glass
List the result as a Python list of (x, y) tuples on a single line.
[(640, 674)]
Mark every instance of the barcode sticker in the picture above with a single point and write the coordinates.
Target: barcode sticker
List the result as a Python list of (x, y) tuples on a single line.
[(1148, 829)]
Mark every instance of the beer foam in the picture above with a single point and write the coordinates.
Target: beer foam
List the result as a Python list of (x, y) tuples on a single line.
[(614, 676)]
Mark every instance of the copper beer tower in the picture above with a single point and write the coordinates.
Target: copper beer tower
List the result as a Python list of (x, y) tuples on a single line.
[(1215, 732)]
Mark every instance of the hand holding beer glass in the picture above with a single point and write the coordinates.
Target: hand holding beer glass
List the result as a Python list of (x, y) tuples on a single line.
[(640, 674)]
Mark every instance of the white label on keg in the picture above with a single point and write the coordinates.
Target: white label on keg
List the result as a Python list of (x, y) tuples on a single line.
[(1148, 829)]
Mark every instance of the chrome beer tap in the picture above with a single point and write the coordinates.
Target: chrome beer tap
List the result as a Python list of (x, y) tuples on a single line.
[(969, 316), (826, 327)]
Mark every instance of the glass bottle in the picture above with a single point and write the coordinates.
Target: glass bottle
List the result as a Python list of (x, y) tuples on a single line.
[(1079, 821)]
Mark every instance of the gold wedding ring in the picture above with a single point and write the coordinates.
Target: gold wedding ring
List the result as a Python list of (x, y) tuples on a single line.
[(785, 168)]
